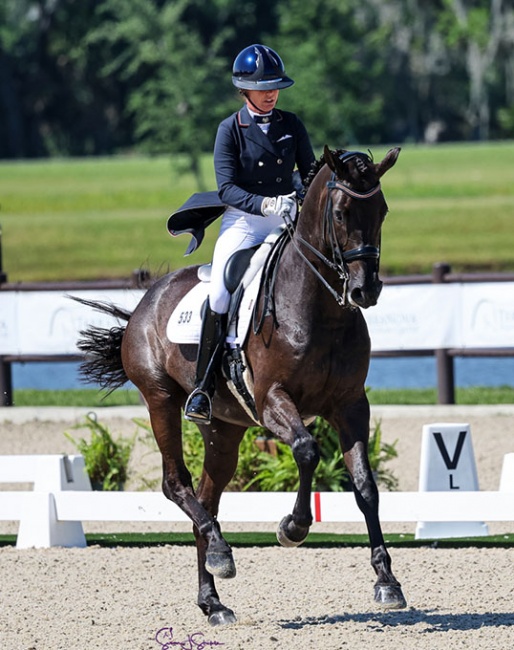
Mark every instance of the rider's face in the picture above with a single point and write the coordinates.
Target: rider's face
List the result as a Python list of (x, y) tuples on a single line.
[(261, 101)]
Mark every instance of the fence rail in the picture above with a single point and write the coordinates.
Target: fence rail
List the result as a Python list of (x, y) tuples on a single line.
[(140, 279)]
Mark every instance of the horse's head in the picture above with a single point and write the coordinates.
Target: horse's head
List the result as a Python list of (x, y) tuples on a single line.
[(354, 211)]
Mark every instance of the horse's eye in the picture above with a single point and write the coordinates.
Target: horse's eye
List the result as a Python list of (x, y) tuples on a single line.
[(338, 215)]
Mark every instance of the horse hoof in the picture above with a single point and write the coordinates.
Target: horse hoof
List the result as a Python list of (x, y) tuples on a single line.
[(390, 596), (220, 565), (289, 534), (222, 617)]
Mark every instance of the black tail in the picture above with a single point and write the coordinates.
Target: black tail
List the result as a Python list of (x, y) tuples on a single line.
[(102, 348)]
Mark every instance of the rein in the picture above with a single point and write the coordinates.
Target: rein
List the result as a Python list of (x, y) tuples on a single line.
[(340, 259), (339, 262)]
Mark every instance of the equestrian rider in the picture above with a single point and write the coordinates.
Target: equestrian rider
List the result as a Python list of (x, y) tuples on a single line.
[(255, 153)]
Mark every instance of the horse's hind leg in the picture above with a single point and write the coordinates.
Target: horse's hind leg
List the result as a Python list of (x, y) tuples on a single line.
[(214, 554), (388, 592), (165, 418)]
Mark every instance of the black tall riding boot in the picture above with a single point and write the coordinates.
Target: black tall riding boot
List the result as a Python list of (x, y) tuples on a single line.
[(198, 407)]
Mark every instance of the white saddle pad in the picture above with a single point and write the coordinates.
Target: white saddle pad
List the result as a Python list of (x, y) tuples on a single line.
[(185, 323)]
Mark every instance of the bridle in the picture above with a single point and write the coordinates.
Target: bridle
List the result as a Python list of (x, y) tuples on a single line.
[(339, 259)]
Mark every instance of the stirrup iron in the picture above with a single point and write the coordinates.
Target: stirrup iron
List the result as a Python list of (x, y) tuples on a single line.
[(198, 407)]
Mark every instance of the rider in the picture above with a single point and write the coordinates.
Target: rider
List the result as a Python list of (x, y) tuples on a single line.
[(255, 153)]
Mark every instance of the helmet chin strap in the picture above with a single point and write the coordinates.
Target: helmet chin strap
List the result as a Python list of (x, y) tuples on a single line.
[(247, 98)]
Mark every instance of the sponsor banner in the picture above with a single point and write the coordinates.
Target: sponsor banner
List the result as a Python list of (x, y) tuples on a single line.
[(49, 322), (487, 315), (407, 317), (415, 317)]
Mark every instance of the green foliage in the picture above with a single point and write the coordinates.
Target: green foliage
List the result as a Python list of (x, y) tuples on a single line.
[(192, 445), (97, 77), (379, 454), (280, 473), (106, 459), (274, 472), (337, 72)]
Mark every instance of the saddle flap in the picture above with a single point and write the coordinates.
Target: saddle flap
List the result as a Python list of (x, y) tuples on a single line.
[(236, 267)]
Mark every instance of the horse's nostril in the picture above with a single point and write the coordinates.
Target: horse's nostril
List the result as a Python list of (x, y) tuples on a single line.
[(357, 296)]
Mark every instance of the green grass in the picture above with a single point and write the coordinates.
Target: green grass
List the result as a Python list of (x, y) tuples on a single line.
[(95, 218), (86, 397), (314, 540), (92, 218), (123, 397)]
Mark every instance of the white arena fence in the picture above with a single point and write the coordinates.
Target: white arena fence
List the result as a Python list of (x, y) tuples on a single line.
[(52, 513)]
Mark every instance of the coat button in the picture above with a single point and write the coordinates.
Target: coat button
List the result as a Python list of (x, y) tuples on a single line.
[(260, 163), (279, 161), (279, 180)]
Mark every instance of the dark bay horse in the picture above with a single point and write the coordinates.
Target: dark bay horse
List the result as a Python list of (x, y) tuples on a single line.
[(310, 358)]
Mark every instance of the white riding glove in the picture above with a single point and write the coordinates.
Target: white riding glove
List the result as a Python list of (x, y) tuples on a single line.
[(282, 205)]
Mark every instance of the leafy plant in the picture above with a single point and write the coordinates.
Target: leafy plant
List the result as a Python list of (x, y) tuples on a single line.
[(280, 473), (106, 459), (261, 471), (192, 445), (379, 453)]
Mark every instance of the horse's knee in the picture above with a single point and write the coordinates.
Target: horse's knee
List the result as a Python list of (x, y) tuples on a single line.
[(174, 482), (366, 489), (306, 452)]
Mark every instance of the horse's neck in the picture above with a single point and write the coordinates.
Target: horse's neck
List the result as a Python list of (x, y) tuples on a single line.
[(304, 289), (304, 281)]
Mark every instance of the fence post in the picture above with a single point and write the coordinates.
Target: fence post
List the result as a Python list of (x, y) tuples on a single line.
[(444, 362), (5, 383), (3, 276)]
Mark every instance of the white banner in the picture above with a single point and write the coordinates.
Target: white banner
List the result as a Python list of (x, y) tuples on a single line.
[(49, 322), (487, 315), (407, 317), (415, 317)]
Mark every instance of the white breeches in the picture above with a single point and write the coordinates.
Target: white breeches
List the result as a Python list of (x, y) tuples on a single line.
[(239, 230)]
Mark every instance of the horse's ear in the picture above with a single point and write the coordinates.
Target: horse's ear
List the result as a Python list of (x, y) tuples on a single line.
[(388, 162), (330, 159)]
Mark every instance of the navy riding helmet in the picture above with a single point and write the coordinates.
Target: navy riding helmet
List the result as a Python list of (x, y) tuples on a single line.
[(258, 67)]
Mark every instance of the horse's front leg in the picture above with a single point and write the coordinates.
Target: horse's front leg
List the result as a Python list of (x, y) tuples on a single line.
[(281, 416), (354, 436)]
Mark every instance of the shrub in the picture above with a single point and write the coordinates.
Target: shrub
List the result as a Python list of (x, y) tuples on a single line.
[(106, 459), (261, 471)]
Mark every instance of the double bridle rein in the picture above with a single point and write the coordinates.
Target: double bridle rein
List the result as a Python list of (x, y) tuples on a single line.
[(340, 259)]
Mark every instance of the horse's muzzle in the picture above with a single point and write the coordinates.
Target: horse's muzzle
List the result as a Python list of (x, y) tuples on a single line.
[(365, 297)]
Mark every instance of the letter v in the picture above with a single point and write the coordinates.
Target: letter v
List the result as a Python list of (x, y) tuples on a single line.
[(451, 463)]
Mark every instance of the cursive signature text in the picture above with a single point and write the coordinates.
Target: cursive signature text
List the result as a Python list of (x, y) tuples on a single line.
[(195, 641)]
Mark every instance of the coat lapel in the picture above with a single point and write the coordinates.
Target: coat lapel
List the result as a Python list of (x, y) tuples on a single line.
[(253, 132)]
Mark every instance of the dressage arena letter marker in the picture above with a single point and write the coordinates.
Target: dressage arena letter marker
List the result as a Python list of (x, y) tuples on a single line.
[(448, 464)]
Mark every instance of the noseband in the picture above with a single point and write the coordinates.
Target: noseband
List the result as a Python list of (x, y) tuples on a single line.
[(362, 252)]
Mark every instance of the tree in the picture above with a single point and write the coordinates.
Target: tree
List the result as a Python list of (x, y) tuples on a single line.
[(329, 47), (478, 27), (178, 83)]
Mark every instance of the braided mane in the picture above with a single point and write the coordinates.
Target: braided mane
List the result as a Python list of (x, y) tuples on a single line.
[(316, 166), (363, 163)]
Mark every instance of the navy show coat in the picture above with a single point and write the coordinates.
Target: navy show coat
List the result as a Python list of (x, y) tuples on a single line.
[(250, 164)]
